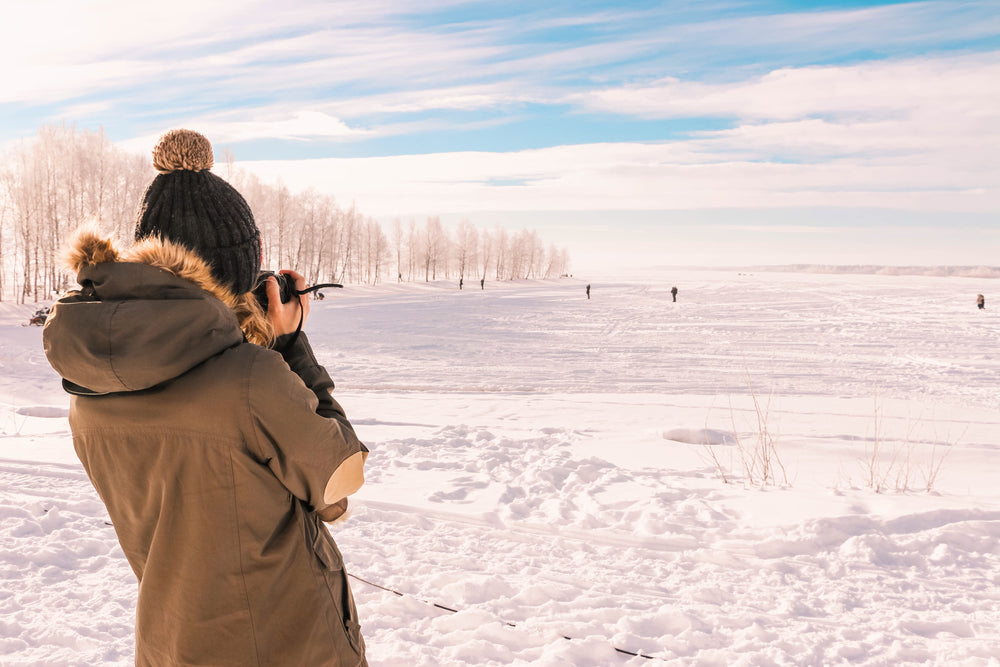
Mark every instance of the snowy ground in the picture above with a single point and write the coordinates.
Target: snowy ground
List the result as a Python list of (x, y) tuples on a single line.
[(552, 468)]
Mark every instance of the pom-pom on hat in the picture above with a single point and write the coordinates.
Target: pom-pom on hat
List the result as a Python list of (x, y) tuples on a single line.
[(189, 205)]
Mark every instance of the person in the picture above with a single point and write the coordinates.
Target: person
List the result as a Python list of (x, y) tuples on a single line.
[(38, 319), (482, 283), (673, 293), (588, 290), (460, 281), (209, 430), (981, 301)]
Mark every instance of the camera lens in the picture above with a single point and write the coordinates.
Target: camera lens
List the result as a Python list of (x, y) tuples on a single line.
[(286, 287)]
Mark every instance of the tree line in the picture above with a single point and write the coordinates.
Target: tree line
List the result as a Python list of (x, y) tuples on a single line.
[(64, 177)]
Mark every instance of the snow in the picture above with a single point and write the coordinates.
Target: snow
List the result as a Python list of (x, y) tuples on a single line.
[(551, 467)]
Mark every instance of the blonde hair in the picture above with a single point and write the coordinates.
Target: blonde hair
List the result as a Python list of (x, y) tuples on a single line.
[(252, 319)]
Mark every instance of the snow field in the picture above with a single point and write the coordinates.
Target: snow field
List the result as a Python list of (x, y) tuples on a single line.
[(543, 465)]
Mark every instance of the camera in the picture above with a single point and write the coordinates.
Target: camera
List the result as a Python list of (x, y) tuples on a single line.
[(286, 287)]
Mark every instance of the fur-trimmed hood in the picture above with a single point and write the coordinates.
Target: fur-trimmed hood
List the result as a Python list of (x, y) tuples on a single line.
[(87, 248), (143, 316)]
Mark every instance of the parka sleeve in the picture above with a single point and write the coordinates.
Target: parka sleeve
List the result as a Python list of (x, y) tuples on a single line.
[(314, 454), (300, 358)]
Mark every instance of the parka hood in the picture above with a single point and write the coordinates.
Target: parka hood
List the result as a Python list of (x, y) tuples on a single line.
[(142, 317)]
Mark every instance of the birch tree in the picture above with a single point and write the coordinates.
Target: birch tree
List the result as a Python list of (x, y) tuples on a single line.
[(53, 183), (485, 253), (500, 244), (466, 243), (397, 244)]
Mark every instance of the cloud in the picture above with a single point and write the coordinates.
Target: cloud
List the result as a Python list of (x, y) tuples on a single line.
[(315, 51), (943, 111), (962, 84), (70, 48), (934, 112), (781, 229), (629, 177), (887, 27), (914, 134), (289, 125), (298, 126), (472, 97)]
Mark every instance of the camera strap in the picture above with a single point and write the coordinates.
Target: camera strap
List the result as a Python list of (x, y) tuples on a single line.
[(302, 313), (316, 287), (302, 317)]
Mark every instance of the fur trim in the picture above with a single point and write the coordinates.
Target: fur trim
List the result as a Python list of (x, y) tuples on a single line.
[(88, 247)]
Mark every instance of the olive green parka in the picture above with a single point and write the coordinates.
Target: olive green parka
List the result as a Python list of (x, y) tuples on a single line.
[(212, 455)]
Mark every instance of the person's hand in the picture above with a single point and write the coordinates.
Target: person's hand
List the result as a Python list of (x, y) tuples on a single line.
[(284, 317)]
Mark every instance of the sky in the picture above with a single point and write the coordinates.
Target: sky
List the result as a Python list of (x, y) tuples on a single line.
[(715, 132)]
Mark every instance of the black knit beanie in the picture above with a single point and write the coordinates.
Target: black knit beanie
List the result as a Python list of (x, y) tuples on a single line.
[(191, 206)]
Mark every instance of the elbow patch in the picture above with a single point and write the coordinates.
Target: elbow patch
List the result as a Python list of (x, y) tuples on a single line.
[(347, 478)]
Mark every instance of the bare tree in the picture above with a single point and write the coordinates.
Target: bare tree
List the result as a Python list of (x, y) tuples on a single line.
[(412, 248), (517, 255), (348, 245), (281, 215), (485, 253), (434, 247), (397, 243), (553, 262), (500, 243), (229, 159), (376, 251), (466, 245), (5, 216), (54, 182)]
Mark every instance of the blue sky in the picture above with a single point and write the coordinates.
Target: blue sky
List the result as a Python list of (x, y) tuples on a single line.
[(639, 132)]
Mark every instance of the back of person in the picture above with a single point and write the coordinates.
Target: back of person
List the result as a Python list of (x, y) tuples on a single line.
[(248, 569), (215, 456)]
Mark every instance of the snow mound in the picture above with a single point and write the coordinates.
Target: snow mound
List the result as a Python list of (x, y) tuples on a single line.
[(700, 436), (43, 411)]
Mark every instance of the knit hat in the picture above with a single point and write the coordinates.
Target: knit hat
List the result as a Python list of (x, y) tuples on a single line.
[(191, 206)]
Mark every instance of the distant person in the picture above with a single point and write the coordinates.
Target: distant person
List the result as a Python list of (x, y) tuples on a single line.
[(482, 283), (38, 319), (588, 290), (673, 293), (981, 302), (460, 281)]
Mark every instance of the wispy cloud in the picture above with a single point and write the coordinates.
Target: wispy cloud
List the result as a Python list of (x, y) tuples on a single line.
[(846, 30), (910, 134), (314, 51), (90, 47), (630, 177), (781, 229), (868, 90), (294, 126), (930, 111)]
